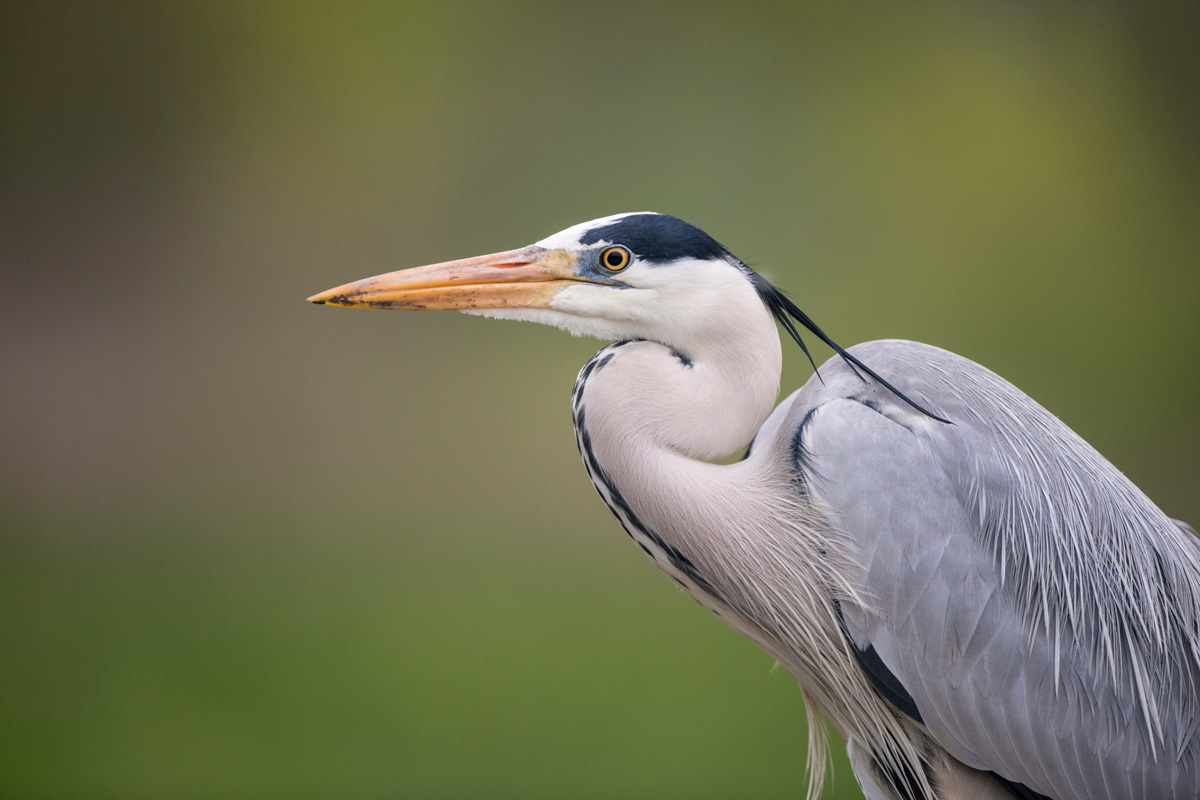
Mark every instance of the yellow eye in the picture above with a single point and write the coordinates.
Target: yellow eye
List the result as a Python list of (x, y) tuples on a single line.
[(615, 259)]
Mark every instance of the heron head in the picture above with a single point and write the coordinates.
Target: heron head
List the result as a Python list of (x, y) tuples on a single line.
[(628, 276), (642, 275)]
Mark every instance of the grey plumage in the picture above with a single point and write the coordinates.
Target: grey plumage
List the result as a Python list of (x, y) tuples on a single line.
[(1041, 611)]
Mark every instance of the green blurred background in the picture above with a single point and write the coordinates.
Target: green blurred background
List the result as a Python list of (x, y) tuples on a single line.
[(251, 547)]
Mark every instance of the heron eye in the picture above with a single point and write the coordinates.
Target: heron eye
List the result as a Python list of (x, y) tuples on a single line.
[(615, 258)]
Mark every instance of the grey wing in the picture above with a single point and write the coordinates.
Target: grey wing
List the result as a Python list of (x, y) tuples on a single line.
[(1040, 613)]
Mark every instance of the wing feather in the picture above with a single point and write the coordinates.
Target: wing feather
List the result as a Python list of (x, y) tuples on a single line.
[(1043, 615)]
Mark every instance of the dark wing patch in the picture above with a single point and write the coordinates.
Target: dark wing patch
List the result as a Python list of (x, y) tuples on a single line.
[(886, 683), (801, 457), (1020, 790), (882, 678)]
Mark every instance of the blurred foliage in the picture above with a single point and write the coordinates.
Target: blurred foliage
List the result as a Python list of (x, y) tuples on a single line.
[(249, 547)]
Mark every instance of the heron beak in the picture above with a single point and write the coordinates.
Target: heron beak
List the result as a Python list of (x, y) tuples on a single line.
[(528, 277)]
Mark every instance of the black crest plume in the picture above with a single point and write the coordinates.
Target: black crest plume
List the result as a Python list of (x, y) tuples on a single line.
[(785, 311)]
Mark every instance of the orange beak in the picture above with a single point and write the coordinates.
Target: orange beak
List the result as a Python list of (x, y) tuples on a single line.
[(528, 277)]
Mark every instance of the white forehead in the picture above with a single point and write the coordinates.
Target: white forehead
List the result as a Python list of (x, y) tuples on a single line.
[(569, 239)]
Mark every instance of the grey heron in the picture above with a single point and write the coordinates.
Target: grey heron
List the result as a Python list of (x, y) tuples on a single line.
[(979, 602)]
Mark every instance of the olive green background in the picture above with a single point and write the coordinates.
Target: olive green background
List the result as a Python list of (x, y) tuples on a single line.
[(251, 547)]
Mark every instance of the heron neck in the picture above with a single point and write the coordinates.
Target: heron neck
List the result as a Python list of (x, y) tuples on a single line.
[(648, 418), (715, 528)]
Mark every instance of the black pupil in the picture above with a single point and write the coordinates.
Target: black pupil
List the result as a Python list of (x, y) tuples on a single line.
[(615, 258)]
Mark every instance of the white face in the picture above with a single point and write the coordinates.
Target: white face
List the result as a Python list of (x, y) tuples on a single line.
[(666, 298)]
